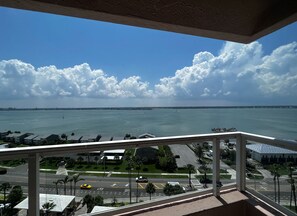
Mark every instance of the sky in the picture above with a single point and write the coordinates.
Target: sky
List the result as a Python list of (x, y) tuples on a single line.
[(50, 61)]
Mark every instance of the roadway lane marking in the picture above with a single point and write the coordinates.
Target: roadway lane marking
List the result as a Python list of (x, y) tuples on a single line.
[(142, 185)]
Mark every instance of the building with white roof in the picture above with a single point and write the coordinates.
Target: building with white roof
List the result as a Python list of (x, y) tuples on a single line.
[(263, 151), (61, 202)]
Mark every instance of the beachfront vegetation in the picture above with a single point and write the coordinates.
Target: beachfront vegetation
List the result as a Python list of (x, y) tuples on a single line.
[(150, 189), (12, 163), (169, 189), (91, 201), (229, 157)]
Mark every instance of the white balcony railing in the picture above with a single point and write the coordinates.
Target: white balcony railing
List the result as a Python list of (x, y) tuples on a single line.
[(33, 155)]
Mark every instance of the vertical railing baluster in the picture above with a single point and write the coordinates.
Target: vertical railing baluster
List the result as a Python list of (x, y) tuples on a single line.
[(216, 167), (240, 162), (33, 185)]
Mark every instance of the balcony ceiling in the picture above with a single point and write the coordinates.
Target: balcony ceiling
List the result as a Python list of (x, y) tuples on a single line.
[(234, 20)]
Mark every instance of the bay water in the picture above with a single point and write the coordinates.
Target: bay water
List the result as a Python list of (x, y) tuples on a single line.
[(275, 122)]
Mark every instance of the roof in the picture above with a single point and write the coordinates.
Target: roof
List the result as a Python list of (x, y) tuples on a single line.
[(146, 135), (47, 136), (14, 135), (102, 139), (113, 157), (115, 151), (97, 209), (75, 137), (31, 137), (61, 201), (268, 149), (233, 20)]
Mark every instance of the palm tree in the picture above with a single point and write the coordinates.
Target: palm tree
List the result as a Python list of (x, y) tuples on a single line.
[(80, 160), (274, 169), (71, 181), (130, 166), (65, 181), (190, 169), (96, 159), (56, 184), (150, 189), (76, 179), (199, 152), (89, 201), (64, 136), (138, 164), (48, 206), (293, 193), (5, 187), (204, 168), (117, 158)]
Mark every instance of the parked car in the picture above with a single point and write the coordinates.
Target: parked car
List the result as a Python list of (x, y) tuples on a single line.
[(141, 179), (85, 186)]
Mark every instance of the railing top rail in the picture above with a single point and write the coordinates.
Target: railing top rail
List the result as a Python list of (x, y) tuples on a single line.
[(124, 144), (110, 145), (287, 144)]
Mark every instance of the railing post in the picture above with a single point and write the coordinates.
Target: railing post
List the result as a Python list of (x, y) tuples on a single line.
[(33, 185), (216, 167), (240, 162)]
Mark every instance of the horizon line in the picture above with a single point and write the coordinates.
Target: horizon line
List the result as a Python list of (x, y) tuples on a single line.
[(147, 107)]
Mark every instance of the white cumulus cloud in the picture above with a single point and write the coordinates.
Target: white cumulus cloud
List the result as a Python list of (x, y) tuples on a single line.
[(237, 73), (19, 80)]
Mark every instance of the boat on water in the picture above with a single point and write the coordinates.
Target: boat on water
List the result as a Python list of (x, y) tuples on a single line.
[(222, 130)]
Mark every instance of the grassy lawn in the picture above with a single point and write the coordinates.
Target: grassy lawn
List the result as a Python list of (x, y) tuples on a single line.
[(11, 163), (210, 176), (283, 170), (255, 177), (291, 208), (134, 175), (110, 166)]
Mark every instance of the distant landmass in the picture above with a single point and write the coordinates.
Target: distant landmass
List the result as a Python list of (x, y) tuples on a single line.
[(151, 108)]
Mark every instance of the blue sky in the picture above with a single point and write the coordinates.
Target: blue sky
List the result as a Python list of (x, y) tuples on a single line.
[(55, 61)]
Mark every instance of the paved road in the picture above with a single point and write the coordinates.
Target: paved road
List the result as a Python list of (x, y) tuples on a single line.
[(108, 187)]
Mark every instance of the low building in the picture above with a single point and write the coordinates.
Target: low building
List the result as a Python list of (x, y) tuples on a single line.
[(36, 141), (48, 139), (10, 137), (113, 154), (29, 139), (146, 135), (20, 138), (90, 138), (16, 137), (271, 154), (4, 145), (75, 138), (3, 134), (61, 203)]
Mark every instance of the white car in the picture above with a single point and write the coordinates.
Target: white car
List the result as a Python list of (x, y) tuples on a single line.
[(141, 179)]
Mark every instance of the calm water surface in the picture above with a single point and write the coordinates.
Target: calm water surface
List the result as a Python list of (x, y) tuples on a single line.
[(276, 122)]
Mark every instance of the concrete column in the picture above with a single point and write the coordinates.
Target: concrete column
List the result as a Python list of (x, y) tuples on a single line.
[(240, 162), (33, 185), (216, 167)]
